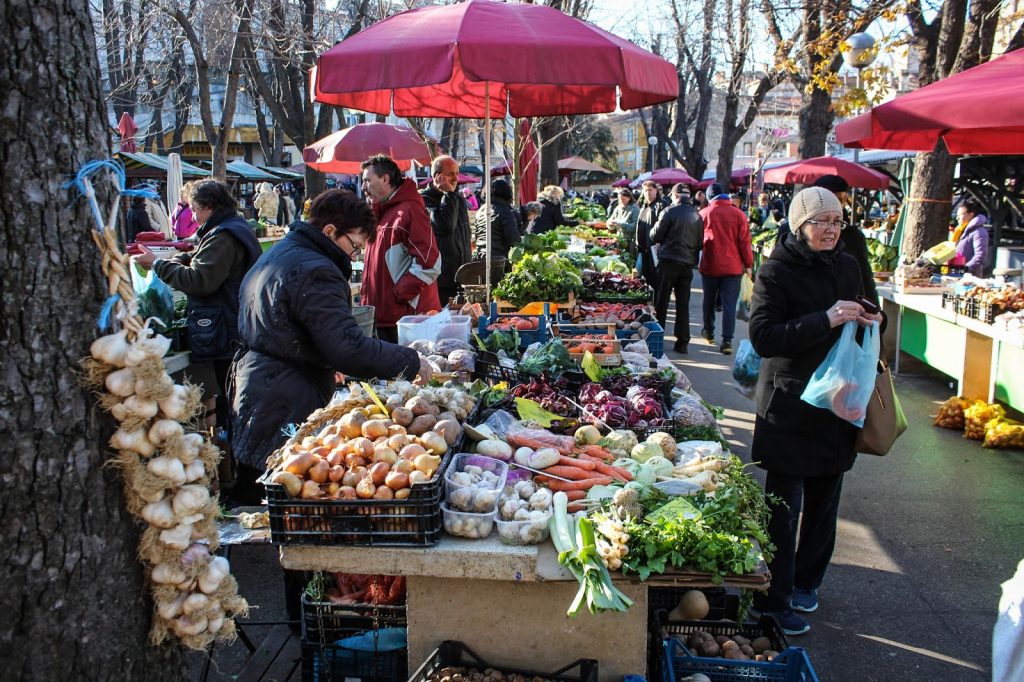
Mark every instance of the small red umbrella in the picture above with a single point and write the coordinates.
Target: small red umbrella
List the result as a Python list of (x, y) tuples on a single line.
[(624, 182), (127, 129), (977, 111), (529, 165), (344, 150), (670, 176), (807, 171), (503, 168)]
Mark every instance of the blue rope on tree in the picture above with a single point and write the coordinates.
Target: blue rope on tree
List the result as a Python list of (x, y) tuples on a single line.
[(116, 168)]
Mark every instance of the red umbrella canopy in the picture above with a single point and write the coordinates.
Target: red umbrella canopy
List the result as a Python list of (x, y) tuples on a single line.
[(345, 150), (575, 163), (670, 176), (624, 182), (503, 168), (529, 165), (436, 61), (977, 111), (127, 129), (807, 171)]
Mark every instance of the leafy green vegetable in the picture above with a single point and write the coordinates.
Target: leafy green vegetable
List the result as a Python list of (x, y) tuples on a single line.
[(506, 341), (552, 358), (548, 242), (539, 278), (882, 257)]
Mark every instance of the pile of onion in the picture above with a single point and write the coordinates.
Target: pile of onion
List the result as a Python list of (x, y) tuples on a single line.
[(167, 485)]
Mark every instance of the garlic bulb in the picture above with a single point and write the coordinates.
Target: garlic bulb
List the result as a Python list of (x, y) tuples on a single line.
[(178, 537), (194, 602), (185, 626), (159, 514), (136, 441), (111, 348), (168, 468), (168, 574), (210, 579), (174, 405), (155, 346), (190, 499), (171, 609), (121, 382), (195, 471), (164, 430)]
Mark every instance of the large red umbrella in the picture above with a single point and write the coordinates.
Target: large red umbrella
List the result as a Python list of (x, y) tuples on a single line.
[(344, 150), (670, 176), (448, 62), (529, 165), (127, 129), (977, 111), (807, 171)]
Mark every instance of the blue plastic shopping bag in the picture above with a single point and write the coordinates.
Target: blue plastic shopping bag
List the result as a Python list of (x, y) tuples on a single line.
[(845, 379), (154, 296), (746, 369)]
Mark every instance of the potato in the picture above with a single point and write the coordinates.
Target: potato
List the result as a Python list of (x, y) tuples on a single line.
[(747, 650), (393, 403), (734, 655), (761, 644), (299, 464), (710, 649), (449, 429), (721, 639), (418, 406), (729, 645), (402, 416), (422, 424)]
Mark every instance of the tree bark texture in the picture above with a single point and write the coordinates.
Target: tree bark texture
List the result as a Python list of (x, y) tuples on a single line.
[(929, 205), (76, 605), (816, 117)]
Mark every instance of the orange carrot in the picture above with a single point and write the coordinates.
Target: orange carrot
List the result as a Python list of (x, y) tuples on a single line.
[(575, 495), (575, 473), (574, 462), (598, 452), (617, 473), (563, 486), (574, 507)]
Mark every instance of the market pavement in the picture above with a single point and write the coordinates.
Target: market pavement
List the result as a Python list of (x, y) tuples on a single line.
[(926, 536)]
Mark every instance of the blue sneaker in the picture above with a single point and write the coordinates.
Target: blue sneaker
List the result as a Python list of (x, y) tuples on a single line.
[(791, 623), (804, 600)]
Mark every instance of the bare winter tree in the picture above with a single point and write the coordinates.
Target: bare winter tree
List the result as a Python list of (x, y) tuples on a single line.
[(960, 36), (76, 608)]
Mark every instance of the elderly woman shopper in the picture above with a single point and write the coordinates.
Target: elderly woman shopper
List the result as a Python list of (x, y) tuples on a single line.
[(297, 330), (625, 216), (803, 295), (550, 199), (266, 203)]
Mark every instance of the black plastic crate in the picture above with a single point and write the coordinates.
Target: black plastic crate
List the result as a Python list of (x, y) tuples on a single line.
[(333, 663), (647, 297), (324, 622), (488, 369), (457, 654), (987, 312), (415, 521), (724, 604)]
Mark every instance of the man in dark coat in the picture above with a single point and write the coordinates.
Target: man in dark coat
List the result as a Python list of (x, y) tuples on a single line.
[(449, 218), (678, 237), (138, 219), (297, 326), (803, 295), (651, 206)]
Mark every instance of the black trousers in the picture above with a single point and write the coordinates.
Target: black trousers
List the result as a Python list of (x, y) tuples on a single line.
[(800, 564), (674, 276)]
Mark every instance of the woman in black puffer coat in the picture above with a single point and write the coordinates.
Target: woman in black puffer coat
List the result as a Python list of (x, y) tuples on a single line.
[(503, 227), (803, 295), (297, 329)]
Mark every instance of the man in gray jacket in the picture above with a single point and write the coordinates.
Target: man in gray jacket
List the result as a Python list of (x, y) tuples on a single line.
[(677, 239)]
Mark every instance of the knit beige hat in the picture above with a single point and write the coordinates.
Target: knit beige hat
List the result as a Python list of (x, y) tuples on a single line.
[(808, 203)]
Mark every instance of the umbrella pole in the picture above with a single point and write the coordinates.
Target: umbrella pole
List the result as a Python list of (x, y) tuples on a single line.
[(487, 187)]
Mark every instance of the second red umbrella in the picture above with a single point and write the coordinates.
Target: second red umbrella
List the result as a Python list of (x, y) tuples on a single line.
[(345, 150)]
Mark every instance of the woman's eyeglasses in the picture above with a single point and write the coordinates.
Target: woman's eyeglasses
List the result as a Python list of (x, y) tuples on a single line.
[(355, 249), (824, 224)]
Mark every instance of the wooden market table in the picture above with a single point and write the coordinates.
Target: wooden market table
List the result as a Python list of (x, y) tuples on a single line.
[(985, 360), (507, 603)]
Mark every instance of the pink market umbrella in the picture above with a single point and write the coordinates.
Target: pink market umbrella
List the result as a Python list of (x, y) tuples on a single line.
[(624, 182), (529, 165), (444, 61), (126, 128), (807, 171), (344, 150), (503, 168), (670, 176), (977, 111)]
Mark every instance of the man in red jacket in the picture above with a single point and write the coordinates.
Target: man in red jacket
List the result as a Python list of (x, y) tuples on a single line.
[(725, 257), (402, 263)]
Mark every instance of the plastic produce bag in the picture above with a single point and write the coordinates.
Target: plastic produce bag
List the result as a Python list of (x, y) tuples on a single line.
[(845, 379), (691, 412), (155, 297), (690, 450), (951, 413), (1003, 433), (746, 295), (746, 369), (977, 417)]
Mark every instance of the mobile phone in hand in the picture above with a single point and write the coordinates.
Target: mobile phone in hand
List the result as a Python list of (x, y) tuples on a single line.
[(870, 307)]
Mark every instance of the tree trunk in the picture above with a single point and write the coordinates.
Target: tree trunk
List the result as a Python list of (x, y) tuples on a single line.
[(76, 607), (548, 131), (929, 204), (815, 123)]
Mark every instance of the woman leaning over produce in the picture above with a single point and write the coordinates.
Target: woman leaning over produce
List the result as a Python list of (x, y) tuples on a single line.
[(803, 295), (297, 328)]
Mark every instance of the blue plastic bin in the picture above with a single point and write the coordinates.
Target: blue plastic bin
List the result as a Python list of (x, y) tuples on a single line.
[(539, 335), (792, 665)]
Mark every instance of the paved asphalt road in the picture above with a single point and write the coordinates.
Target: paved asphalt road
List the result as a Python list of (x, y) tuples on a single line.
[(926, 536)]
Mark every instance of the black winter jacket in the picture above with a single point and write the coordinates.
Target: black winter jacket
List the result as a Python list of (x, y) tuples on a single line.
[(679, 234), (649, 214), (298, 329), (504, 230), (789, 328), (550, 217), (855, 244), (449, 219)]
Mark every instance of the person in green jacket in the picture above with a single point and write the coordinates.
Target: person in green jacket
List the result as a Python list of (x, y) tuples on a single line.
[(624, 216)]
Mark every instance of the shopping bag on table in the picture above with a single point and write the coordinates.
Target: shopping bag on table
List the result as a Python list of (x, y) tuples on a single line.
[(746, 369), (844, 381), (155, 298), (885, 421), (746, 295)]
